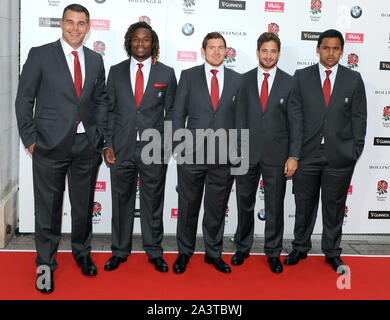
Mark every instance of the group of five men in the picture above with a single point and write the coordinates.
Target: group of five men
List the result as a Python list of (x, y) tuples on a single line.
[(310, 127)]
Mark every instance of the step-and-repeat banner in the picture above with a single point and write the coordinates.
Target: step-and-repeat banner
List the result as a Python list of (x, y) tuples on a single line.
[(181, 26)]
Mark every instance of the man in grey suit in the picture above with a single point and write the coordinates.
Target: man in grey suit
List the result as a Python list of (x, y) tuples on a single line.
[(66, 83), (141, 91), (334, 107), (206, 100), (275, 133)]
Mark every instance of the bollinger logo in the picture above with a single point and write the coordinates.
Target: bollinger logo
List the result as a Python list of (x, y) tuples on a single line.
[(353, 60)]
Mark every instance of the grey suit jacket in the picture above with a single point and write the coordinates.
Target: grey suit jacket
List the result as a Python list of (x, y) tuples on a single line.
[(47, 83), (125, 119), (342, 123), (193, 108), (276, 133)]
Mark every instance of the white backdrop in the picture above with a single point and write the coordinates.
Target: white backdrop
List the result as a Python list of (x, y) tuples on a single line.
[(367, 50)]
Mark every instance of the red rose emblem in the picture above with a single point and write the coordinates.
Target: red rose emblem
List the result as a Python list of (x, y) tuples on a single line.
[(227, 210), (97, 207), (99, 47), (145, 19), (261, 184), (386, 111), (345, 210), (274, 28), (382, 185), (353, 58), (316, 4), (230, 52), (137, 182)]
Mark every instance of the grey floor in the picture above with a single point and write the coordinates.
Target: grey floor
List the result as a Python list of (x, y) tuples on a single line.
[(351, 244)]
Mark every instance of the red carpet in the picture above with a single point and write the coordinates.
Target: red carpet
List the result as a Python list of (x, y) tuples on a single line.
[(137, 279)]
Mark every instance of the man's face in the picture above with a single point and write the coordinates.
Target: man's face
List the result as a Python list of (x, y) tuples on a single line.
[(141, 44), (268, 55), (215, 52), (330, 52), (74, 28)]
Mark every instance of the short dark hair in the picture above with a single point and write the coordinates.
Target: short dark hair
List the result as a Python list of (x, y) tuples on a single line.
[(212, 35), (129, 35), (266, 37), (78, 8), (331, 33)]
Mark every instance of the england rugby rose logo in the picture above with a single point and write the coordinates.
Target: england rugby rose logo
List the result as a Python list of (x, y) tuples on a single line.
[(386, 113), (382, 187), (99, 47), (145, 19), (189, 3), (261, 187), (230, 55), (316, 6), (273, 28), (97, 208), (353, 60)]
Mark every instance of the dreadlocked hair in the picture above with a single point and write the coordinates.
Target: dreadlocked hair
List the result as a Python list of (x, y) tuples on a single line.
[(155, 43)]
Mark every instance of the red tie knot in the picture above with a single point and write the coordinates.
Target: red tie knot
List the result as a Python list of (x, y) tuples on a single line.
[(266, 75), (328, 72), (75, 53), (140, 65), (214, 72)]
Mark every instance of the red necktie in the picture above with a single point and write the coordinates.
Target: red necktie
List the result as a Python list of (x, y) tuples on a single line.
[(139, 85), (214, 91), (264, 91), (78, 77), (326, 87)]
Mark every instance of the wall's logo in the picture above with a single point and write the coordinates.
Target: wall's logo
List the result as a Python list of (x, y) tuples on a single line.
[(274, 28), (174, 213), (188, 29), (96, 213), (261, 214), (100, 186), (384, 65), (353, 61), (99, 47), (145, 19), (50, 22), (271, 6), (381, 141), (233, 5), (356, 12), (354, 37), (310, 35), (378, 214), (186, 56), (100, 24)]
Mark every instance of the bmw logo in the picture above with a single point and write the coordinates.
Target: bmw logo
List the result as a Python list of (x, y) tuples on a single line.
[(356, 12), (261, 215), (188, 29), (100, 1)]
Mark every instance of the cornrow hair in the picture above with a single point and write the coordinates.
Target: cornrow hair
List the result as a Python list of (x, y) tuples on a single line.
[(155, 43)]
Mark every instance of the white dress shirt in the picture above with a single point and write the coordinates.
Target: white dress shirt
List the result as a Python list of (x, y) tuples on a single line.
[(260, 78), (220, 76), (332, 76), (145, 71), (70, 60)]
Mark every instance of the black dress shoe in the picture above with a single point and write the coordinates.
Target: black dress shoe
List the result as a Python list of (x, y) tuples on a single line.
[(45, 282), (336, 263), (218, 263), (159, 264), (239, 257), (275, 264), (294, 257), (113, 263), (87, 266), (180, 264)]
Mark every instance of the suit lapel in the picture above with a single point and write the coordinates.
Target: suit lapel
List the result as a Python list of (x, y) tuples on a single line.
[(203, 85), (274, 90), (336, 86), (225, 89), (317, 85), (64, 67), (149, 85), (127, 89), (88, 70), (253, 89)]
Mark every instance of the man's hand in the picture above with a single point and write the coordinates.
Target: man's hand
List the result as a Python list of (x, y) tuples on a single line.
[(31, 148), (290, 167), (109, 156)]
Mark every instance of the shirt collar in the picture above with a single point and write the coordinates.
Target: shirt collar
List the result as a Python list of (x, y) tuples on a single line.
[(68, 49), (146, 63), (333, 69), (209, 67), (271, 72)]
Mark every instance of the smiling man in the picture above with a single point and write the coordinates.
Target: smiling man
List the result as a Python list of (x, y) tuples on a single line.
[(65, 83), (275, 133), (141, 91), (205, 99), (333, 102)]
